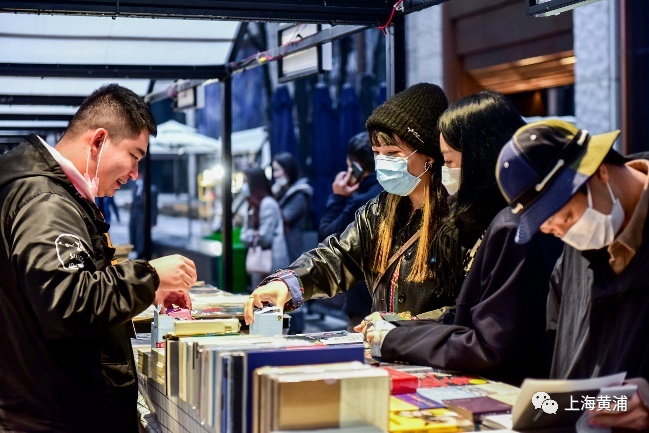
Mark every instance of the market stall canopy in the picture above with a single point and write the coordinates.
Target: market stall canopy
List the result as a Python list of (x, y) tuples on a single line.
[(51, 63), (176, 138)]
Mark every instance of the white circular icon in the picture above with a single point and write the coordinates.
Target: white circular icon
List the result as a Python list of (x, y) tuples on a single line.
[(538, 399), (550, 406)]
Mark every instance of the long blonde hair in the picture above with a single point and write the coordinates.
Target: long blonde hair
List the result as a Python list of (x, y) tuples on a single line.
[(434, 209)]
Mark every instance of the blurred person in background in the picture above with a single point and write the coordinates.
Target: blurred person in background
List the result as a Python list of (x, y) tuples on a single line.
[(294, 195), (263, 225), (352, 190)]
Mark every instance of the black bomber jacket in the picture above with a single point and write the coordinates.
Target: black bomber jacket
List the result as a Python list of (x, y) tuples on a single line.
[(342, 260), (65, 311)]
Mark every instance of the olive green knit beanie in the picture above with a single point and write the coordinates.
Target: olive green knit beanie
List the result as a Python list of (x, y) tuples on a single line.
[(412, 115)]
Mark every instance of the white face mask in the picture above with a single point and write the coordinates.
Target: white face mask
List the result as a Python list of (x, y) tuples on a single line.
[(245, 190), (595, 230), (451, 179), (93, 183)]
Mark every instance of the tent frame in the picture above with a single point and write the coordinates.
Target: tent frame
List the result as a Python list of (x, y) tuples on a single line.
[(359, 14)]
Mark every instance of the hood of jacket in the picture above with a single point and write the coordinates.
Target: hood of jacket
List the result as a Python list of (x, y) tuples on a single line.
[(31, 159)]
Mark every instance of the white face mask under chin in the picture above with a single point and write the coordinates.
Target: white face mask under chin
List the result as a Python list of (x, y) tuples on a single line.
[(595, 230), (93, 183)]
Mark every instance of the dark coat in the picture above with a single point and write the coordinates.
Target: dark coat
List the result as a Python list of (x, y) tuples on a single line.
[(344, 259), (499, 325), (295, 203), (600, 320), (65, 312)]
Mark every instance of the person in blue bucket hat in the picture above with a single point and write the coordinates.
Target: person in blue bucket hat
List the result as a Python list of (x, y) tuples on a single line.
[(563, 181)]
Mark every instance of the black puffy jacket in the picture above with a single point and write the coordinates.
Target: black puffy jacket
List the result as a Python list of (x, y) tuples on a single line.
[(67, 363), (342, 260)]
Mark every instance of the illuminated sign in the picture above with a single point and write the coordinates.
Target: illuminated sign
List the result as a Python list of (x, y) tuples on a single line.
[(544, 8)]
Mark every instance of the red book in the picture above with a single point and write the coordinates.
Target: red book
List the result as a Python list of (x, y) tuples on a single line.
[(402, 383)]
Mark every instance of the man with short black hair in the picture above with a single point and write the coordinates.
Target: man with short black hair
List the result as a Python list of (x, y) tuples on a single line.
[(566, 182), (65, 304)]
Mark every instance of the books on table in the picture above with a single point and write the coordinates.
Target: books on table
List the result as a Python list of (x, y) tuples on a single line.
[(557, 405), (338, 395), (476, 409)]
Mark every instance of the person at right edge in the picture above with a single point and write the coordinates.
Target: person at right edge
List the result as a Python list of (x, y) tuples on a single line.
[(498, 327), (388, 244), (563, 181), (65, 304)]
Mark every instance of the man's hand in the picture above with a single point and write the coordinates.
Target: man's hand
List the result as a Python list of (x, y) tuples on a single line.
[(168, 299), (340, 185), (636, 417), (177, 274), (276, 292)]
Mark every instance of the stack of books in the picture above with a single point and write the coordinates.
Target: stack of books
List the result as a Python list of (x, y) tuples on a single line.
[(213, 376)]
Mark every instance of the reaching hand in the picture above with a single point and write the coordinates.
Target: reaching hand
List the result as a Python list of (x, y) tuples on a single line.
[(636, 417), (276, 293), (368, 319), (177, 274), (340, 185), (168, 299)]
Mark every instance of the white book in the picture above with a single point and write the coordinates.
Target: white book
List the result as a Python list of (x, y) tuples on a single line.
[(556, 404)]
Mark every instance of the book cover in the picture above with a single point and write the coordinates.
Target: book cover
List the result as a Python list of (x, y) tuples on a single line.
[(476, 408), (556, 404), (261, 380), (331, 337), (171, 365), (330, 399), (187, 328), (412, 401), (445, 380), (441, 394), (402, 382), (297, 355), (428, 421)]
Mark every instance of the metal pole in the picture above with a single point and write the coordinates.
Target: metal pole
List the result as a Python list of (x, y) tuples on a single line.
[(227, 261), (146, 203), (395, 57)]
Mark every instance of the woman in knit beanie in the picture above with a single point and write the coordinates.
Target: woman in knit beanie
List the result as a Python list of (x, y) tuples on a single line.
[(388, 243), (499, 326)]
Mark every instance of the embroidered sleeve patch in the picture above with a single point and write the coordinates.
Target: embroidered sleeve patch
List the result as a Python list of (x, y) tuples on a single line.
[(71, 252)]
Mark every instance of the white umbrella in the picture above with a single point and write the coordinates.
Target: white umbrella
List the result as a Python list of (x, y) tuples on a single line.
[(176, 138)]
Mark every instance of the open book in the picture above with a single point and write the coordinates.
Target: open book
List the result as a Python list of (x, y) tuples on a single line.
[(555, 405)]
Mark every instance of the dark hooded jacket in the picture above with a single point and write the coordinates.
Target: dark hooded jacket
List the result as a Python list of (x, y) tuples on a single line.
[(598, 309), (343, 260), (499, 328), (65, 311)]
